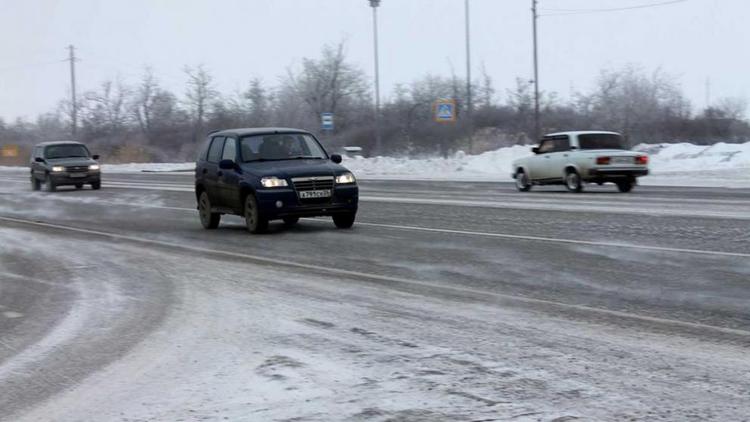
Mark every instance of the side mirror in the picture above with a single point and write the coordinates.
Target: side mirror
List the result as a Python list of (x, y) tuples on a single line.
[(95, 156), (226, 164), (39, 159), (535, 150), (336, 158)]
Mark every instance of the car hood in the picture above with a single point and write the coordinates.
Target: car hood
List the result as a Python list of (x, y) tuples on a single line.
[(293, 168), (71, 161)]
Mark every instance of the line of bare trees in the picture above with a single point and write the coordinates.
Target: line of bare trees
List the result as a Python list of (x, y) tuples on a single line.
[(147, 122)]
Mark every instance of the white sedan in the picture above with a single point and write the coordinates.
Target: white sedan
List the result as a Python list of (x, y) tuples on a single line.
[(575, 158)]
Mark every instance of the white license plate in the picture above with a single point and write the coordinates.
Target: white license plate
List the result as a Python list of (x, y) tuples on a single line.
[(309, 194), (78, 174), (622, 160)]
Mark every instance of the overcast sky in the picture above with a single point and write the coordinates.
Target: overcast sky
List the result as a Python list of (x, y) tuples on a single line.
[(695, 40)]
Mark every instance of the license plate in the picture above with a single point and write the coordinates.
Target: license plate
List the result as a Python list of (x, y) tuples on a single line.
[(622, 160), (309, 194), (78, 174)]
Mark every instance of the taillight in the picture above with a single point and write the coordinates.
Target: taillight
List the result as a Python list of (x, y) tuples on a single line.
[(603, 160), (641, 159)]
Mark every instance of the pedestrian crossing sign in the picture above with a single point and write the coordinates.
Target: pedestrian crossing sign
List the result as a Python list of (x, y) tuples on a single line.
[(445, 111)]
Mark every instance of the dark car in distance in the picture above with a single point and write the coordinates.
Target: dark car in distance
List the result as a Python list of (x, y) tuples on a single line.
[(63, 163), (265, 174)]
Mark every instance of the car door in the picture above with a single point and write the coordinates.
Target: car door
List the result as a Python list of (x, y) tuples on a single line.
[(36, 167), (210, 171), (229, 180), (559, 157), (540, 163)]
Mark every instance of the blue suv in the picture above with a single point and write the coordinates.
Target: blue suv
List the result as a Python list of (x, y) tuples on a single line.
[(268, 174)]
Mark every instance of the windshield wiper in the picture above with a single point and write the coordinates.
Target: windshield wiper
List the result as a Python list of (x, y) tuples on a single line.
[(302, 157)]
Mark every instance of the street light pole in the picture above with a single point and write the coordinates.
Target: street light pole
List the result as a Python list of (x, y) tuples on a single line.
[(537, 126), (378, 142), (469, 104)]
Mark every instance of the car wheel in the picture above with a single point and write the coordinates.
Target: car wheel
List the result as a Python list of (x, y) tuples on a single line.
[(523, 184), (255, 222), (290, 221), (35, 185), (625, 186), (573, 181), (209, 220), (96, 185), (79, 186), (49, 185), (344, 221)]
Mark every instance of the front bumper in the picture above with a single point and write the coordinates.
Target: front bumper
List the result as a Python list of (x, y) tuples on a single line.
[(65, 178), (345, 199)]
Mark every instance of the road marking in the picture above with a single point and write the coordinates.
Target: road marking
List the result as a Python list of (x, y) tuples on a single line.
[(370, 276), (487, 234), (553, 240)]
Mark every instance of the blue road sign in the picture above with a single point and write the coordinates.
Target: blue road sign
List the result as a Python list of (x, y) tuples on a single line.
[(326, 121), (445, 111)]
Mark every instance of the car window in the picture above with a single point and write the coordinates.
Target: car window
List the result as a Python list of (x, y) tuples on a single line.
[(230, 150), (561, 144), (214, 152), (283, 146), (600, 141), (65, 151), (547, 145)]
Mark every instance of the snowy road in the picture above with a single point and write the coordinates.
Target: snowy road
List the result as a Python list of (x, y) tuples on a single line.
[(448, 301)]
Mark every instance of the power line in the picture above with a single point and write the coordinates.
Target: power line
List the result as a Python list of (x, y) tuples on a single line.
[(563, 12)]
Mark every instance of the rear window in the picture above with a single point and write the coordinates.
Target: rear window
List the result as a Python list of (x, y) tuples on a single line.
[(214, 153), (600, 141)]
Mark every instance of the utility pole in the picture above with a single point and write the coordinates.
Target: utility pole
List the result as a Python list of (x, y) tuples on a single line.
[(537, 125), (74, 105), (378, 142), (469, 104)]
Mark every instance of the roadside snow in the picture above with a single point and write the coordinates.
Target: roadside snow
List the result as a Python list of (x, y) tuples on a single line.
[(680, 164)]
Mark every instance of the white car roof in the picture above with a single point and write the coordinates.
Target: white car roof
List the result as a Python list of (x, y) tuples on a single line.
[(582, 132)]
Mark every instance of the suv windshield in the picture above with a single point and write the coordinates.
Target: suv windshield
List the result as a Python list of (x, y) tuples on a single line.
[(284, 146), (65, 151), (600, 141)]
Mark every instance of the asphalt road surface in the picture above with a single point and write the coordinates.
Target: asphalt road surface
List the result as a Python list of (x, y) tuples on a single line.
[(447, 301)]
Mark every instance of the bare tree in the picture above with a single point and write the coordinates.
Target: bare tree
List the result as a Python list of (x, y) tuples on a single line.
[(200, 92)]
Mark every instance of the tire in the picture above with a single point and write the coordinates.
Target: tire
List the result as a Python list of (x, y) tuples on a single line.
[(35, 184), (79, 186), (255, 222), (290, 221), (209, 220), (573, 181), (625, 186), (523, 184), (49, 185), (95, 185), (344, 221)]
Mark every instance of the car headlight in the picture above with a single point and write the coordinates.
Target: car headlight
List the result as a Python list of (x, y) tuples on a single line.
[(273, 182), (58, 169), (345, 178), (94, 167)]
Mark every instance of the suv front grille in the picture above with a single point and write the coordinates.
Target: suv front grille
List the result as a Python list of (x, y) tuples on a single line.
[(312, 183), (76, 169)]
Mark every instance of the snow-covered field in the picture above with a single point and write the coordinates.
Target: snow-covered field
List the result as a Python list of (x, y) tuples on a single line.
[(682, 164)]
